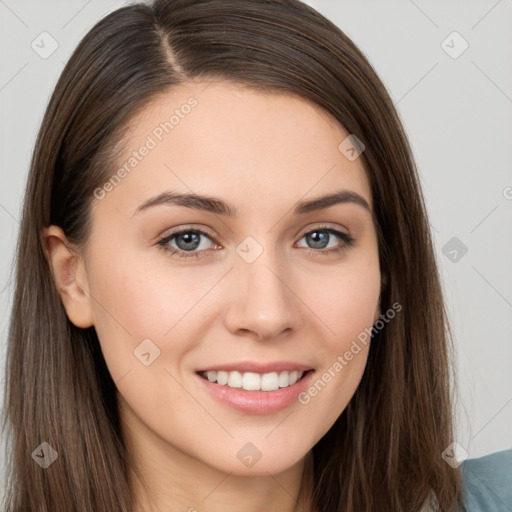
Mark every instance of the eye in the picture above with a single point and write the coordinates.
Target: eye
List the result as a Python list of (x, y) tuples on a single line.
[(189, 244), (187, 241), (321, 236)]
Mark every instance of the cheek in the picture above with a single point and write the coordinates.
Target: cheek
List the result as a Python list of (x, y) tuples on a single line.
[(346, 299), (144, 332), (346, 303), (134, 303)]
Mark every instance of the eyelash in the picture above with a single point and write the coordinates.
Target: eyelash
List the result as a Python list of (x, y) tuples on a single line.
[(163, 243)]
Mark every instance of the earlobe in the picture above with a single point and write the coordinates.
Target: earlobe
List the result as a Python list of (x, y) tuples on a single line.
[(69, 275)]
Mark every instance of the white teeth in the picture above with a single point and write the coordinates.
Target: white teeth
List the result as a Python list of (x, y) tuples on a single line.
[(284, 379), (222, 378), (270, 381), (234, 379), (251, 381)]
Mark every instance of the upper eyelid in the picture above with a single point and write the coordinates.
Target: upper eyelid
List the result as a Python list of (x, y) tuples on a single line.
[(202, 231)]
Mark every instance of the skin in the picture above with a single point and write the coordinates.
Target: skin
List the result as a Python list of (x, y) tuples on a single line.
[(262, 153)]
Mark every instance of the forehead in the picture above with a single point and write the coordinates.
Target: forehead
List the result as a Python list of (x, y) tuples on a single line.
[(226, 140)]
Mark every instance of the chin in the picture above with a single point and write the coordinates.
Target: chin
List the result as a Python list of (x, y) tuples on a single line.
[(248, 460)]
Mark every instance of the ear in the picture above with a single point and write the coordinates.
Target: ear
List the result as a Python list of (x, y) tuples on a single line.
[(70, 276)]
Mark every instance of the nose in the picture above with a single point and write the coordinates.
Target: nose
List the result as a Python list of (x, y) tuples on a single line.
[(263, 302)]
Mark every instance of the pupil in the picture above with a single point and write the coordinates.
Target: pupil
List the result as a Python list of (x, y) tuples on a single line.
[(192, 241), (319, 239)]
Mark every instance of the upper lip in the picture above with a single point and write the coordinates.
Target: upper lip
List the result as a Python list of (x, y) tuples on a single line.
[(257, 367)]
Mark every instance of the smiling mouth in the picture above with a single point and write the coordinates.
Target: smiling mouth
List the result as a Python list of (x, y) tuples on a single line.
[(251, 381)]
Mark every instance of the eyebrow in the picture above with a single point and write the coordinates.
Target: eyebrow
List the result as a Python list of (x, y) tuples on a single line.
[(220, 207)]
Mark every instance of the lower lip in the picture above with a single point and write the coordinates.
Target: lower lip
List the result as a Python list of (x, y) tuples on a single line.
[(257, 402)]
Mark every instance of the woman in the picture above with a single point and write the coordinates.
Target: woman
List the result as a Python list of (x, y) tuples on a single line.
[(200, 168)]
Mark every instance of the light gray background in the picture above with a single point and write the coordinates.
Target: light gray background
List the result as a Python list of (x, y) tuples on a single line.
[(457, 113)]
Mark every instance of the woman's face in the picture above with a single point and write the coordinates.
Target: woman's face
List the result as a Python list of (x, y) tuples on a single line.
[(270, 290)]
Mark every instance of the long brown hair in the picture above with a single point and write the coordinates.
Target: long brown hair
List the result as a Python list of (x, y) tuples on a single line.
[(384, 451)]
